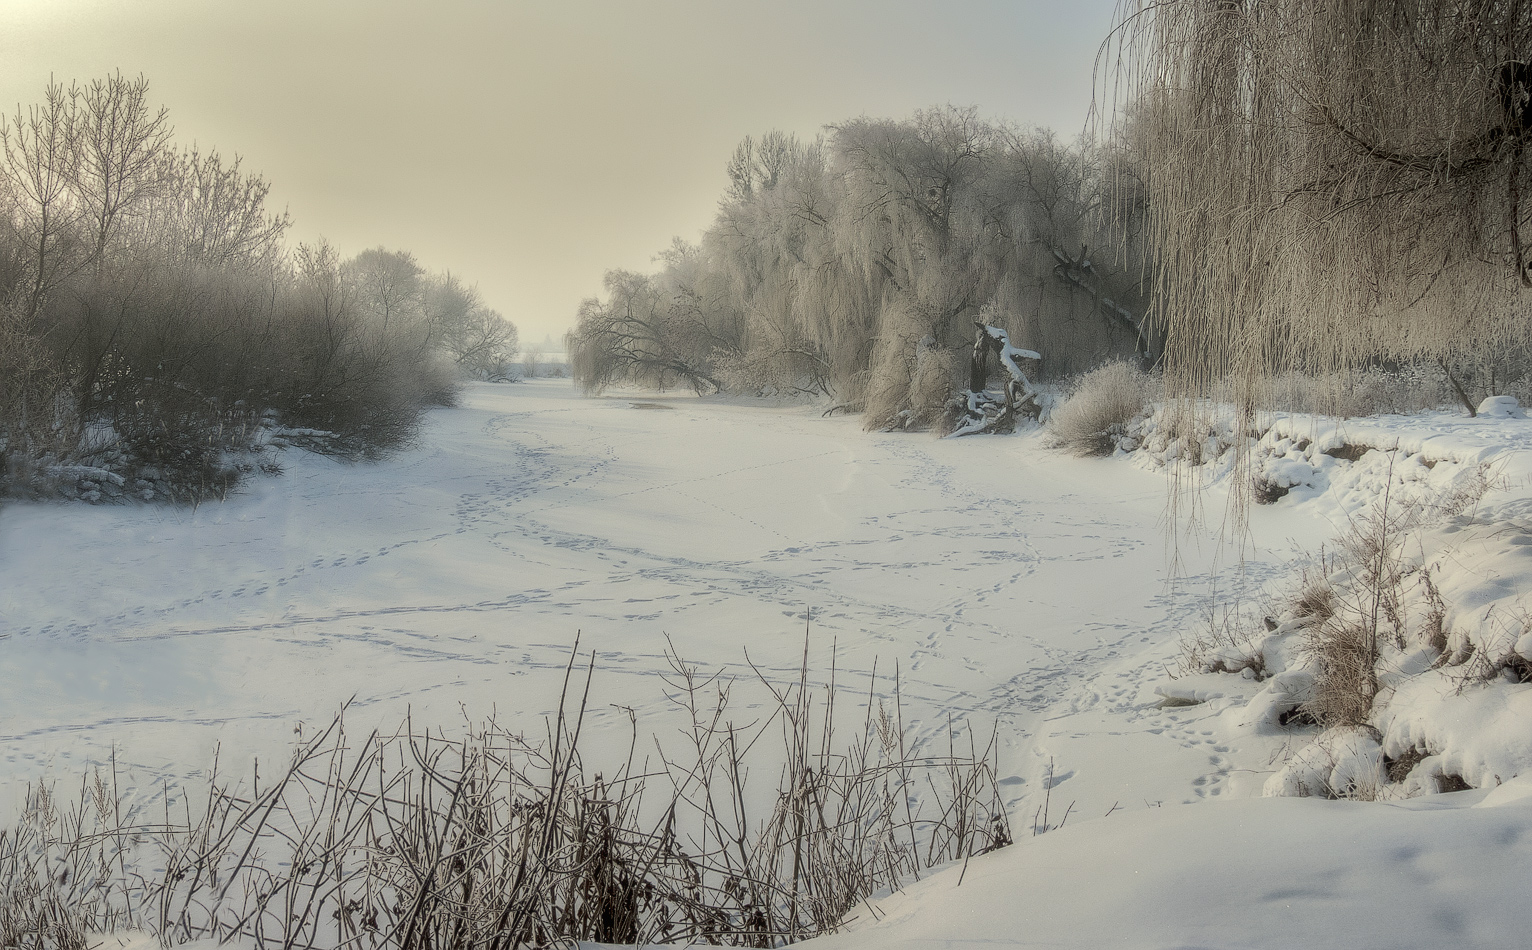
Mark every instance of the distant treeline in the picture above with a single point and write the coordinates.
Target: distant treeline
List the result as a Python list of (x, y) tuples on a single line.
[(855, 265), (153, 323)]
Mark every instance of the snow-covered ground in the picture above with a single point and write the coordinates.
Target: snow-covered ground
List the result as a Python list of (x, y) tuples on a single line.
[(1009, 583), (999, 576)]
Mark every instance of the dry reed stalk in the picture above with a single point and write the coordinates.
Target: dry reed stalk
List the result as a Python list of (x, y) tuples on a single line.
[(419, 840)]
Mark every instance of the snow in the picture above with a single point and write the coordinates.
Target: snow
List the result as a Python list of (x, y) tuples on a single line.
[(1262, 873), (1009, 354), (455, 575), (1503, 407), (1345, 761), (1009, 583)]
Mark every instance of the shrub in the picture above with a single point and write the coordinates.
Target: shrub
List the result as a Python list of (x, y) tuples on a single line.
[(1347, 625), (1100, 405), (1354, 607), (152, 346)]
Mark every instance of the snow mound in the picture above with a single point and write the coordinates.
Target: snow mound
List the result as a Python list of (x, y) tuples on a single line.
[(1346, 762), (1453, 680), (1501, 407), (1252, 873)]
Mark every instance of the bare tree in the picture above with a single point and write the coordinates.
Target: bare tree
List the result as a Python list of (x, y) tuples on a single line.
[(118, 141), (484, 344), (478, 339), (40, 167), (212, 214), (531, 361)]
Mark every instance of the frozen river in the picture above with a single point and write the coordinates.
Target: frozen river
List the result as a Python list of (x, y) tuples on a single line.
[(1001, 578)]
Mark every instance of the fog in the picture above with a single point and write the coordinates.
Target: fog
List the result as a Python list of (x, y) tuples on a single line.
[(533, 146)]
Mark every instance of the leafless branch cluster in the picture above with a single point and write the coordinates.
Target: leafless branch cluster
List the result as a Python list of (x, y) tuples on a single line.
[(496, 840), (152, 320)]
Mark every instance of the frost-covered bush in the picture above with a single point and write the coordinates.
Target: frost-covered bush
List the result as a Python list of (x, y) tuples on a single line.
[(911, 384), (1101, 403)]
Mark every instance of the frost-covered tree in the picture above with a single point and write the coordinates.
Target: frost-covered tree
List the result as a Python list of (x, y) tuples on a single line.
[(636, 335), (388, 286), (856, 264), (118, 140), (770, 264), (479, 340)]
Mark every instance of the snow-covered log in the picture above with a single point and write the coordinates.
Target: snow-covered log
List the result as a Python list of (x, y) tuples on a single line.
[(985, 411)]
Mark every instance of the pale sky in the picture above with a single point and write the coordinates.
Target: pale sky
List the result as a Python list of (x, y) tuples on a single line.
[(529, 146)]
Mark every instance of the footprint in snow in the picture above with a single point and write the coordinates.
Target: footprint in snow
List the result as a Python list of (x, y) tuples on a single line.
[(1060, 778)]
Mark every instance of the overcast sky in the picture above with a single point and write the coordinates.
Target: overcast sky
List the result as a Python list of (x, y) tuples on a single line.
[(530, 146)]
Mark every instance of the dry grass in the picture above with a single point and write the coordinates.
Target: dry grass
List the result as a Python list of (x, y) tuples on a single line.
[(1346, 625), (1347, 682), (1229, 641), (494, 840), (1348, 622), (62, 873)]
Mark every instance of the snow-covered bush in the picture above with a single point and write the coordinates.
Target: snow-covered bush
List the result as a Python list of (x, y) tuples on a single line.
[(1407, 642), (1344, 762), (1229, 642), (1100, 406), (1375, 597)]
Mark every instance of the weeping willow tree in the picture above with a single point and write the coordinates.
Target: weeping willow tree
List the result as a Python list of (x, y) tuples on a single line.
[(1329, 182), (855, 265)]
